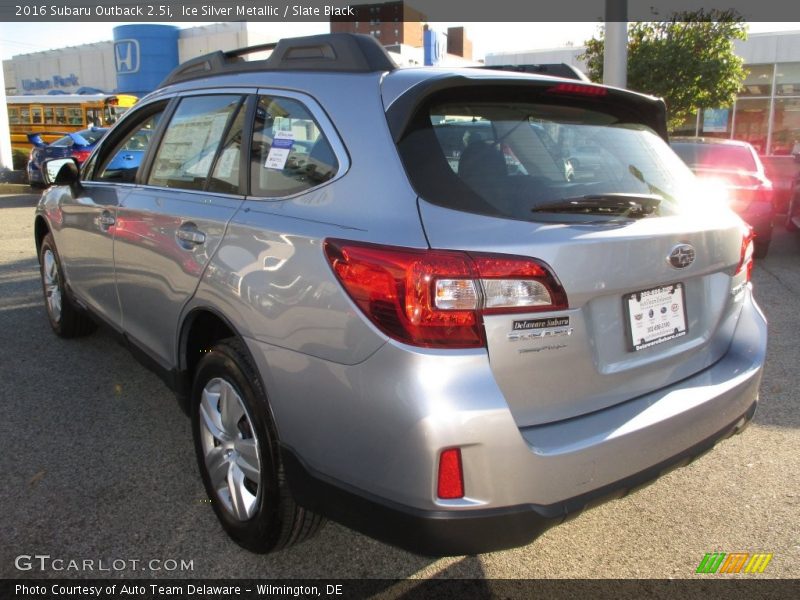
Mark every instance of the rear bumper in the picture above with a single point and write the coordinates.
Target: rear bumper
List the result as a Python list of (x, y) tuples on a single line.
[(361, 442), (34, 174), (455, 533)]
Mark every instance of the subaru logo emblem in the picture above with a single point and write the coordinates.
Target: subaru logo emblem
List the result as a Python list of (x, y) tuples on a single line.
[(681, 256), (126, 56)]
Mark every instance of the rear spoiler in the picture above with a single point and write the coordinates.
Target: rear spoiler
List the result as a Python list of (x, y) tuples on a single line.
[(78, 139), (552, 69), (632, 106), (36, 138)]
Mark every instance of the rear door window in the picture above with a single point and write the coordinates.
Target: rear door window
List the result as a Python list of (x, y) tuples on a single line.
[(192, 143)]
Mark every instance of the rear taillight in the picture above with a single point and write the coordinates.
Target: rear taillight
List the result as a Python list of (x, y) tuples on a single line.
[(746, 256), (765, 192), (450, 480), (81, 155), (436, 298)]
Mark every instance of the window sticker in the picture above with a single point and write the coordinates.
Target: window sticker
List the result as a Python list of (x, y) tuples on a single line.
[(279, 152), (226, 163)]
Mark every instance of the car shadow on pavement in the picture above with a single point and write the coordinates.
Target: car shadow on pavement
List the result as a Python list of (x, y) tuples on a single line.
[(19, 200), (776, 287), (103, 445)]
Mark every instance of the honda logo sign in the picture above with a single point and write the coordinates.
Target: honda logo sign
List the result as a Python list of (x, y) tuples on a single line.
[(126, 56)]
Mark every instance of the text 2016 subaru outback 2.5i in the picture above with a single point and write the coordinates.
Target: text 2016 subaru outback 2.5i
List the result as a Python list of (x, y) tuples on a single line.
[(389, 297)]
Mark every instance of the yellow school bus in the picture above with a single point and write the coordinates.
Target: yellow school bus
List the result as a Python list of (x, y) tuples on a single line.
[(52, 116)]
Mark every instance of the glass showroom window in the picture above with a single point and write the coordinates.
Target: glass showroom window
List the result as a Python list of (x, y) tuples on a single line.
[(786, 119), (751, 119), (786, 126), (751, 123), (787, 80), (758, 81)]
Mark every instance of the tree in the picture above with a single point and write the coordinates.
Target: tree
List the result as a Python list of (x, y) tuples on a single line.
[(689, 60)]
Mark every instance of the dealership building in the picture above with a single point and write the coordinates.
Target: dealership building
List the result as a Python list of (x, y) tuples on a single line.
[(766, 113), (767, 110), (137, 59), (141, 55)]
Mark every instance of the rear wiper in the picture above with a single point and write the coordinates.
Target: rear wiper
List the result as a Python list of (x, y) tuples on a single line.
[(653, 189), (632, 206)]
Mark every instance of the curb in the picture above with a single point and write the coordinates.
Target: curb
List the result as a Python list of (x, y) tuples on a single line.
[(16, 188)]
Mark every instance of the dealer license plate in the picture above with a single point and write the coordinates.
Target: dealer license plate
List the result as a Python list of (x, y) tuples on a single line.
[(655, 316)]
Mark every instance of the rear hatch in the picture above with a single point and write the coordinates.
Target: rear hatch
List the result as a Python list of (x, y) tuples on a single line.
[(650, 268)]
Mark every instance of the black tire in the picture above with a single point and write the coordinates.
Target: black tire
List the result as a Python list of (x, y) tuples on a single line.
[(790, 211), (72, 321), (760, 249), (277, 521)]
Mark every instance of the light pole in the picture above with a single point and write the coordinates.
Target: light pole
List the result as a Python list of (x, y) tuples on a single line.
[(615, 55)]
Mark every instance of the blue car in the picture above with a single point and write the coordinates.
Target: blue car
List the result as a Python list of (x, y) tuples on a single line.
[(125, 162), (78, 144)]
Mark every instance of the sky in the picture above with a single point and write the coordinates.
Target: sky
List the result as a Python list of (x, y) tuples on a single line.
[(22, 38)]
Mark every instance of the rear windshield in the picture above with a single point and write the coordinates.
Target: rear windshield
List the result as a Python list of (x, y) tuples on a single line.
[(513, 158), (90, 135), (63, 142), (716, 156)]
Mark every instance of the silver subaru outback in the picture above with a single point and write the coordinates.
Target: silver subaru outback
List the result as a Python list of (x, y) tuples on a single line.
[(446, 308)]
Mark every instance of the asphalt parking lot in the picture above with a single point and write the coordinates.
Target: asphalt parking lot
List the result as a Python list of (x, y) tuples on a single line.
[(97, 463)]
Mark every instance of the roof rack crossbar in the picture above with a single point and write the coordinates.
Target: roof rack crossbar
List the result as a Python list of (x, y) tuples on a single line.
[(342, 52)]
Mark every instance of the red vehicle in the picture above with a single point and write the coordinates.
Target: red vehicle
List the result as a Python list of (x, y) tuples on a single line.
[(737, 166), (793, 212)]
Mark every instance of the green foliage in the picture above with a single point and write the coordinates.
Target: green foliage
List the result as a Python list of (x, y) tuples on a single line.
[(19, 159), (689, 60)]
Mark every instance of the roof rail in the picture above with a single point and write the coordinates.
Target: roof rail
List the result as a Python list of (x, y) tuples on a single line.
[(342, 52)]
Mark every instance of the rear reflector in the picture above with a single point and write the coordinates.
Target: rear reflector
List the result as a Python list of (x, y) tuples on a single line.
[(450, 483), (746, 257), (437, 298)]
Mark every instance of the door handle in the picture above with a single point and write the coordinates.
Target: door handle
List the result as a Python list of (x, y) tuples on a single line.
[(106, 220), (190, 235)]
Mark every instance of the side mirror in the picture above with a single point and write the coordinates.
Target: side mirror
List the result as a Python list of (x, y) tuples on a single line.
[(61, 171)]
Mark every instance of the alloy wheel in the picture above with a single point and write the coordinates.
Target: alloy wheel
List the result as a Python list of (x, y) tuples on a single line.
[(230, 448), (52, 284)]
